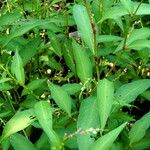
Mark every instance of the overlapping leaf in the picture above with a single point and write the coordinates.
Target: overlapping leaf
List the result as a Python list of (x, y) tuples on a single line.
[(61, 97), (105, 96), (128, 92), (106, 141), (84, 25)]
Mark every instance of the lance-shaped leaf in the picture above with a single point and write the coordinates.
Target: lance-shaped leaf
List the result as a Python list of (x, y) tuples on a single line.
[(82, 62), (105, 96), (84, 26), (18, 122), (128, 92), (88, 118), (19, 142), (33, 85), (17, 68), (106, 141), (61, 97), (43, 113), (139, 128)]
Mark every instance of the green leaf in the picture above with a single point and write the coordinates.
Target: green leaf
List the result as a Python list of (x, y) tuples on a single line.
[(128, 5), (105, 96), (134, 37), (17, 68), (42, 142), (55, 42), (17, 123), (139, 44), (146, 95), (84, 26), (55, 64), (139, 128), (127, 93), (73, 88), (19, 142), (5, 144), (142, 145), (105, 142), (68, 55), (122, 10), (108, 38), (23, 28), (33, 85), (61, 97), (29, 50), (88, 118), (82, 61), (43, 113), (9, 18), (5, 86)]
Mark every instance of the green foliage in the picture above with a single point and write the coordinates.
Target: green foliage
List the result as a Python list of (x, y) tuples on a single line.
[(74, 75)]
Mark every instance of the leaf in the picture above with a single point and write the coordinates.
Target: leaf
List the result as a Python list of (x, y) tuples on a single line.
[(72, 89), (29, 50), (127, 93), (19, 142), (105, 96), (119, 10), (42, 142), (128, 5), (88, 118), (139, 128), (84, 26), (68, 56), (55, 43), (142, 145), (108, 38), (43, 113), (9, 18), (18, 122), (82, 61), (33, 85), (55, 64), (105, 142), (61, 97), (17, 68), (5, 86), (23, 28), (134, 37), (146, 95), (139, 44)]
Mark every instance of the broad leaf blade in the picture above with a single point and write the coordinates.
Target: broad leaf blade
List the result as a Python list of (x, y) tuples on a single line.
[(33, 85), (43, 113), (82, 61), (128, 5), (17, 68), (18, 122), (139, 128), (105, 96), (19, 142), (88, 118), (106, 141), (72, 89), (61, 97), (84, 26), (128, 92)]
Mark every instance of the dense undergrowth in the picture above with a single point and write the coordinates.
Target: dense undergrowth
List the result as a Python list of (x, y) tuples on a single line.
[(74, 75)]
